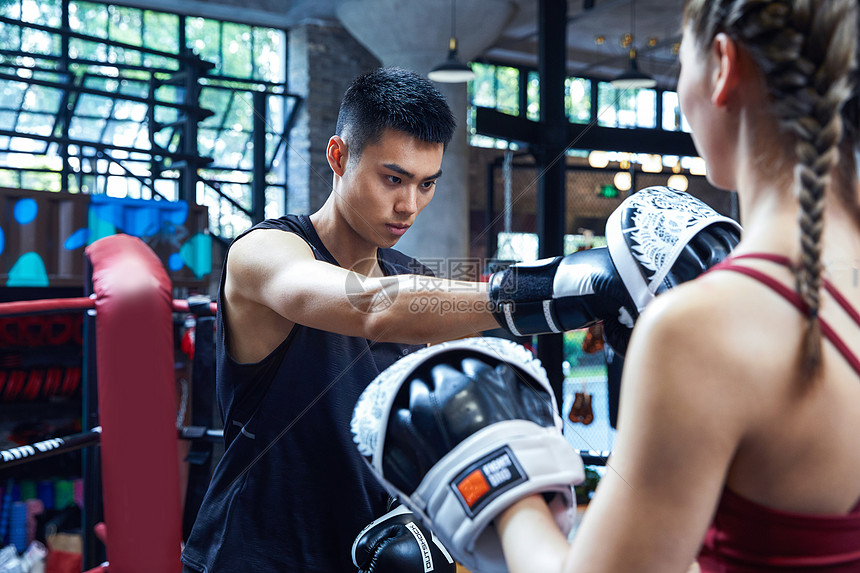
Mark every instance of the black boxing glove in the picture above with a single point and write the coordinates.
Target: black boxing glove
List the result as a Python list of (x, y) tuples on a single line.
[(398, 543), (656, 239), (560, 294)]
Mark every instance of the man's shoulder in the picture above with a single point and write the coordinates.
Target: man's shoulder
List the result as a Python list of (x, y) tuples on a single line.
[(267, 247), (289, 223)]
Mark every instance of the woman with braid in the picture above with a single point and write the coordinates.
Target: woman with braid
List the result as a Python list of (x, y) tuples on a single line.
[(739, 426)]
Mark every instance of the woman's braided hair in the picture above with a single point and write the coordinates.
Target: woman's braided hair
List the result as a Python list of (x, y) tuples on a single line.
[(808, 53)]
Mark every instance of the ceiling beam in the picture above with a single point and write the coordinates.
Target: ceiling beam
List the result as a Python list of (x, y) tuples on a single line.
[(587, 11), (493, 123)]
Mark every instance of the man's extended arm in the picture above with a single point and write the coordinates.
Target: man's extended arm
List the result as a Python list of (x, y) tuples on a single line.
[(270, 269)]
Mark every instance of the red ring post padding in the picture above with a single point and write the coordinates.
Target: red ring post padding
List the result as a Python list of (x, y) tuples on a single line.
[(137, 410)]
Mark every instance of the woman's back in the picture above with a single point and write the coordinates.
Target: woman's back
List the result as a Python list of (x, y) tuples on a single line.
[(799, 450), (791, 478), (791, 497)]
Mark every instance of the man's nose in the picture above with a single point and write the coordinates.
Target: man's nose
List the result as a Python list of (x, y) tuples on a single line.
[(407, 201)]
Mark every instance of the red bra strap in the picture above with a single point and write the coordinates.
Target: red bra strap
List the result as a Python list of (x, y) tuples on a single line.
[(840, 345), (828, 286), (798, 303), (778, 259), (768, 280), (843, 302)]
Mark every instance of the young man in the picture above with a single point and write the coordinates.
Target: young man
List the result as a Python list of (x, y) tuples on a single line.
[(309, 308)]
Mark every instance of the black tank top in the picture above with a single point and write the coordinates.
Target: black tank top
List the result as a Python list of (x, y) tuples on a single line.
[(291, 491)]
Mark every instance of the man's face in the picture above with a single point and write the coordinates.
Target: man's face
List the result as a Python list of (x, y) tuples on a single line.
[(389, 185)]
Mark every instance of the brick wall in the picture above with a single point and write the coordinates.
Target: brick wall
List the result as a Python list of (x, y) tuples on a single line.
[(323, 60)]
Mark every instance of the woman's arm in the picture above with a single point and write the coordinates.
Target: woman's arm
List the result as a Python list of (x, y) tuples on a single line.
[(683, 413), (530, 537)]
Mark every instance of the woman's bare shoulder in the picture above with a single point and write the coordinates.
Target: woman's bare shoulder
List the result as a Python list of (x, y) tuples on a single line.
[(723, 327)]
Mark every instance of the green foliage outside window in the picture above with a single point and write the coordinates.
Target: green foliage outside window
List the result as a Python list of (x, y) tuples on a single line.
[(498, 87), (533, 97), (243, 56), (507, 87), (160, 31), (124, 25), (89, 18), (482, 88), (47, 12), (626, 107), (577, 100), (236, 50), (204, 37)]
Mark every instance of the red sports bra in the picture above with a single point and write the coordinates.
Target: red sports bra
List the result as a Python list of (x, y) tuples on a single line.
[(748, 537)]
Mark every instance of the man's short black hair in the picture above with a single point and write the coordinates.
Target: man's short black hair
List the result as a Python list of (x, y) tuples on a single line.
[(393, 98)]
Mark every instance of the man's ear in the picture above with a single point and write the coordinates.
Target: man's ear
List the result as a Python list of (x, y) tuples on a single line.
[(727, 70), (336, 154)]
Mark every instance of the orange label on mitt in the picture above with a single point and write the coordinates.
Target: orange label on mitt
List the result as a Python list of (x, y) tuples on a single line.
[(473, 487), (488, 478)]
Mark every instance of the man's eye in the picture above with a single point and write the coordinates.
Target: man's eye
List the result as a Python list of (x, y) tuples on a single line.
[(393, 179), (428, 184)]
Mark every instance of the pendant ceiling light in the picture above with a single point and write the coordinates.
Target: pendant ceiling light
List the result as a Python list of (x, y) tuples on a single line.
[(452, 70), (633, 77)]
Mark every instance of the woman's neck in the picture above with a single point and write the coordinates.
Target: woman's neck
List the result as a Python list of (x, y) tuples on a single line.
[(770, 219)]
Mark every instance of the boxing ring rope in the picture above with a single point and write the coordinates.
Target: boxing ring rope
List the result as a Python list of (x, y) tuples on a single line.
[(29, 307), (589, 457), (51, 305), (49, 447), (54, 446)]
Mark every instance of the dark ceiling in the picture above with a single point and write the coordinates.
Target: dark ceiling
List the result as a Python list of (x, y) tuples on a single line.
[(656, 33)]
